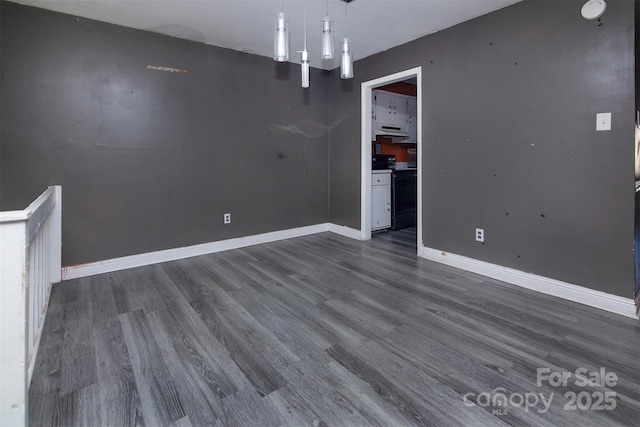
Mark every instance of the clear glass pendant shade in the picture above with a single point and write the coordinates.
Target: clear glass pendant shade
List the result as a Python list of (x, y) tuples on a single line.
[(346, 64), (305, 68), (281, 40), (327, 38)]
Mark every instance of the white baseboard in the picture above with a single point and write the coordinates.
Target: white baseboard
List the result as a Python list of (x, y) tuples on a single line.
[(139, 260), (568, 291), (345, 231)]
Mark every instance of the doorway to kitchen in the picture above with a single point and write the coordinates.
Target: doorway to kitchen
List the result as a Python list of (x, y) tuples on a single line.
[(368, 132)]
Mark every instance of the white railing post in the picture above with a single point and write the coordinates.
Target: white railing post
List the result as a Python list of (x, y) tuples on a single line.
[(30, 262), (44, 231), (13, 328), (55, 239)]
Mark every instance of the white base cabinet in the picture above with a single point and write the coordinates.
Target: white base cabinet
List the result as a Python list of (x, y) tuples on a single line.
[(380, 200)]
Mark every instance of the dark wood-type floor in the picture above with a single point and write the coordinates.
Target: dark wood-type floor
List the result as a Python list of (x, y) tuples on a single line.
[(324, 330)]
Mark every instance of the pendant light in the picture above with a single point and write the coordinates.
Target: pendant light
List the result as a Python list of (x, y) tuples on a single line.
[(327, 36), (346, 63), (281, 40), (304, 61)]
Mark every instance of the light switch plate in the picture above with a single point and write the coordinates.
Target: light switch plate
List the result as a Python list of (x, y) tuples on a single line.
[(603, 121)]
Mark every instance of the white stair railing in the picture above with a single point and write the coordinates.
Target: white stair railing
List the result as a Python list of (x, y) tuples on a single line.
[(30, 262)]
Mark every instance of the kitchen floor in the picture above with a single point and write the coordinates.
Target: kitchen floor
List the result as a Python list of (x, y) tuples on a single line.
[(326, 331), (406, 238)]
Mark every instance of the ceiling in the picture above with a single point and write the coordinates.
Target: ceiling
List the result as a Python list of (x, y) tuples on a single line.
[(248, 25)]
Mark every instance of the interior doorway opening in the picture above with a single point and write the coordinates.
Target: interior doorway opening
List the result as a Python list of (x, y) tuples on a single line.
[(384, 139)]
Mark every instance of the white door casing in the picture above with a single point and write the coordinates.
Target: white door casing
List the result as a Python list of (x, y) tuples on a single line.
[(366, 135)]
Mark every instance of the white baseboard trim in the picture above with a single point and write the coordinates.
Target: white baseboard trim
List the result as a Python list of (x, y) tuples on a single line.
[(568, 291), (139, 260), (345, 231)]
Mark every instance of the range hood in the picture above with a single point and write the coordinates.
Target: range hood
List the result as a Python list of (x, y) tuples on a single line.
[(392, 131)]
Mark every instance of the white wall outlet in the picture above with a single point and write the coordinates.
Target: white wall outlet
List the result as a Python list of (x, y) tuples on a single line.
[(227, 218), (603, 121), (480, 235)]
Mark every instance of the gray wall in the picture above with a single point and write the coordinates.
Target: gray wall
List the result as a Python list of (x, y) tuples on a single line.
[(148, 159), (509, 142)]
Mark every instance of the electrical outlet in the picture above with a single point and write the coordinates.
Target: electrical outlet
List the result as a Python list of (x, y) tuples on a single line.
[(227, 218), (480, 235), (603, 121)]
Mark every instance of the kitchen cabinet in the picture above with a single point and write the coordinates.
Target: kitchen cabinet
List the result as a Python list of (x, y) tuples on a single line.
[(412, 119), (382, 109), (390, 109), (397, 111), (380, 200)]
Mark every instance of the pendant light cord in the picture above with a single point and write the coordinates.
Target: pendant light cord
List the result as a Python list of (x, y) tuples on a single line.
[(305, 24), (346, 20)]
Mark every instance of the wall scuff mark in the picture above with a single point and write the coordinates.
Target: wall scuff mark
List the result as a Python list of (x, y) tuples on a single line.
[(168, 69)]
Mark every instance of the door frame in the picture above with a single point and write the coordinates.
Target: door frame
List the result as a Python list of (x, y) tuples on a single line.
[(366, 122)]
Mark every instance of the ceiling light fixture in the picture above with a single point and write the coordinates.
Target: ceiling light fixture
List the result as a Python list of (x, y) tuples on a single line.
[(281, 43), (327, 36), (281, 40), (593, 9), (304, 61), (346, 64)]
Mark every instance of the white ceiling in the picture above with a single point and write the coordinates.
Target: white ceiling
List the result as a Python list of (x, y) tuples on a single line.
[(248, 25)]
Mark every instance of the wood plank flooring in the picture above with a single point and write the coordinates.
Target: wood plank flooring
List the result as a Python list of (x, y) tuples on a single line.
[(326, 331)]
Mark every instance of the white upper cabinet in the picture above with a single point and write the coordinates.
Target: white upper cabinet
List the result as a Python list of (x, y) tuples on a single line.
[(401, 112), (395, 110), (389, 109), (412, 119), (383, 104)]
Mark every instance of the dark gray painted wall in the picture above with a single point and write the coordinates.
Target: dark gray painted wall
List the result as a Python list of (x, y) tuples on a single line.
[(509, 140), (148, 159)]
